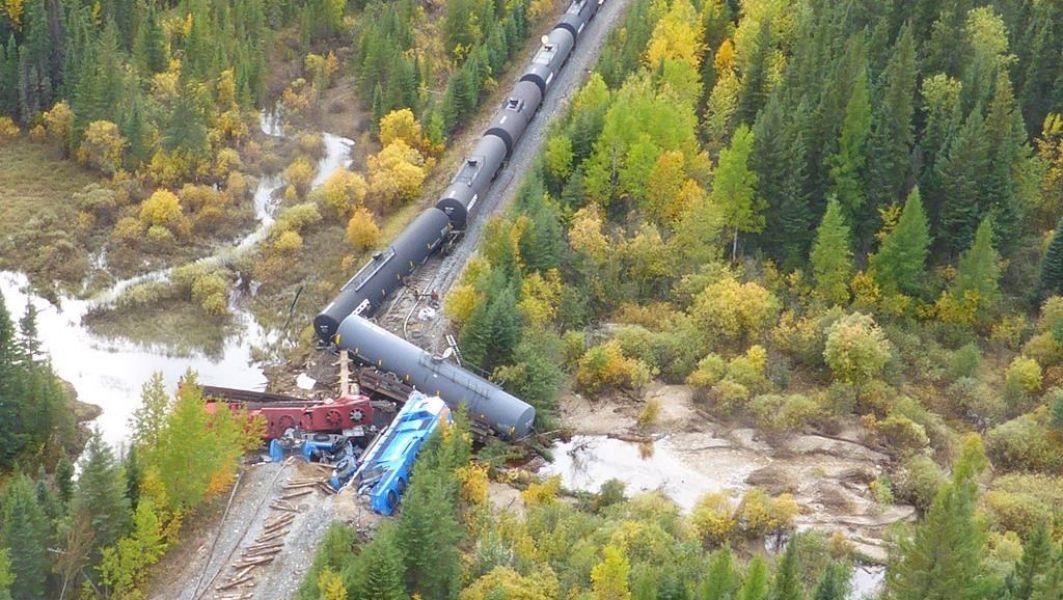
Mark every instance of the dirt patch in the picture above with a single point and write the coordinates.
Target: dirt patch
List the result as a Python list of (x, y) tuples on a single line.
[(829, 476), (505, 498)]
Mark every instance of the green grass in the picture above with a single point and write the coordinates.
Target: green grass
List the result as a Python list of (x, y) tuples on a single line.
[(37, 213)]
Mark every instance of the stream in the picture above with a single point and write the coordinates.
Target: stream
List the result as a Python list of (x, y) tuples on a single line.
[(111, 372)]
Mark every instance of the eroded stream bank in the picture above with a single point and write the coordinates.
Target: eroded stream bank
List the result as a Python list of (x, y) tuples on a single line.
[(109, 371)]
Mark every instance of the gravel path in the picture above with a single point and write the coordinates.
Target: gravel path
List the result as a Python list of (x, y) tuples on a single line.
[(438, 275)]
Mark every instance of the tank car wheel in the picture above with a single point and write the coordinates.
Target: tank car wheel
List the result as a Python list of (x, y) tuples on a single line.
[(401, 485), (393, 500), (333, 416), (356, 415)]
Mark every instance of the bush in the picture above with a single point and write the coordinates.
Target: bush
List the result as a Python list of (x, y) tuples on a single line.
[(605, 366), (1016, 511), (965, 362), (760, 515), (713, 519), (779, 414), (343, 192), (362, 230), (8, 129), (710, 371), (748, 369), (900, 436), (1024, 443), (730, 310), (918, 481), (1025, 374), (856, 350)]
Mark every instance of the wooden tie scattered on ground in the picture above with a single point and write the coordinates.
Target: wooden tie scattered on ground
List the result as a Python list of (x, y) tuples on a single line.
[(238, 586)]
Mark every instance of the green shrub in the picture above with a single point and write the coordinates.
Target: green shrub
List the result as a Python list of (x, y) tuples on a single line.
[(918, 481), (965, 362), (1024, 443)]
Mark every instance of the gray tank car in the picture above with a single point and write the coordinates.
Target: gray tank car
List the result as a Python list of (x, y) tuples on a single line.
[(369, 288), (487, 403)]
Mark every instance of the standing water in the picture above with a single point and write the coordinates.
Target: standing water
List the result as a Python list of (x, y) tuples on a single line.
[(110, 372)]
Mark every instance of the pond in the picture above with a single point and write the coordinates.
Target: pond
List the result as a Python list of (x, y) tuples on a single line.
[(109, 372)]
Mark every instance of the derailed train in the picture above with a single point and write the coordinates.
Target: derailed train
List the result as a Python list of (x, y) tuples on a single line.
[(370, 287)]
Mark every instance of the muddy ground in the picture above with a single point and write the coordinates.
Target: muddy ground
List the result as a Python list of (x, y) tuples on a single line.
[(692, 454)]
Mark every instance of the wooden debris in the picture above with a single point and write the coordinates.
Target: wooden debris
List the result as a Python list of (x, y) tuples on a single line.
[(280, 505), (296, 494), (271, 523), (324, 487), (272, 536), (235, 582), (302, 484), (262, 553), (250, 562), (278, 525)]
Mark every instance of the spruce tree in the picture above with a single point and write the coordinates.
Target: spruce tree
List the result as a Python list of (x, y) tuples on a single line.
[(978, 271), (899, 263), (378, 572), (1034, 564), (755, 585), (1051, 282), (100, 495), (847, 166), (24, 532), (428, 533), (1008, 151), (831, 257), (787, 583), (833, 584), (943, 561), (722, 580), (961, 176), (755, 76), (64, 479), (6, 576), (892, 134)]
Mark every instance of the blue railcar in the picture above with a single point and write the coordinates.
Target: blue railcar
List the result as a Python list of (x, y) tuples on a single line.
[(384, 471)]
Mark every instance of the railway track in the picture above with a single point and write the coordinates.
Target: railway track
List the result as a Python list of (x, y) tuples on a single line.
[(438, 275)]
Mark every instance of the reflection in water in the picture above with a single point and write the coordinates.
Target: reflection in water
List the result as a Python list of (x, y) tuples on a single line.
[(586, 462), (110, 372)]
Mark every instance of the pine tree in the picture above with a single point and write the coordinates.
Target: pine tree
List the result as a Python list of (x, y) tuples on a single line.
[(1007, 151), (787, 583), (892, 133), (428, 533), (943, 561), (1051, 281), (24, 532), (834, 584), (100, 495), (899, 263), (831, 257), (379, 569), (978, 271), (755, 585), (722, 581), (734, 189), (6, 576), (941, 105), (133, 472), (1034, 564), (847, 166), (64, 479), (149, 419), (961, 176), (755, 77)]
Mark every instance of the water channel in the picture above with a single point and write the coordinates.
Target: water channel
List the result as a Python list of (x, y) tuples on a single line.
[(110, 372)]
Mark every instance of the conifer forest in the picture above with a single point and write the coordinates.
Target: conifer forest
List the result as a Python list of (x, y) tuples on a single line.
[(781, 279)]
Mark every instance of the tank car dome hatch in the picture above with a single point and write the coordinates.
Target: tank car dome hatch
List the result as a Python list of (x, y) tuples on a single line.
[(489, 404)]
